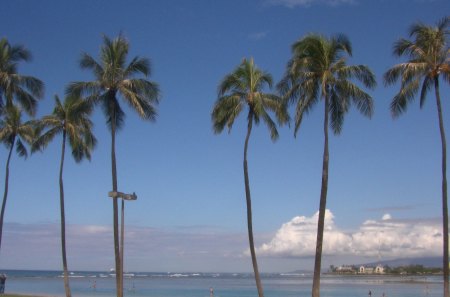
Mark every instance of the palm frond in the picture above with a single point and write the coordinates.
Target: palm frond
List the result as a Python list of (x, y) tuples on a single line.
[(360, 72), (446, 76), (230, 83), (78, 150), (426, 86), (82, 89), (42, 141), (88, 62), (276, 104), (225, 111), (27, 101), (18, 53), (304, 105), (402, 47), (111, 108), (33, 85), (391, 76), (362, 100), (406, 94), (338, 106), (143, 87), (21, 150), (340, 43), (26, 131), (138, 65)]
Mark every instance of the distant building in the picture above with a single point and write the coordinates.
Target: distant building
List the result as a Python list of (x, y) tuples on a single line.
[(379, 269), (371, 270)]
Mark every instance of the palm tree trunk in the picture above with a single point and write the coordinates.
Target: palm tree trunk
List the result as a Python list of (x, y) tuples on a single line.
[(322, 207), (5, 195), (115, 205), (444, 190), (63, 219), (122, 233), (249, 210)]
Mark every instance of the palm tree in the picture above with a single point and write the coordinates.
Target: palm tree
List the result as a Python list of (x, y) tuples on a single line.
[(243, 87), (24, 89), (115, 78), (71, 119), (428, 58), (318, 70), (13, 134)]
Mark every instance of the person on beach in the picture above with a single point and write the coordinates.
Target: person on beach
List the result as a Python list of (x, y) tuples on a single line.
[(211, 292), (370, 293), (2, 283)]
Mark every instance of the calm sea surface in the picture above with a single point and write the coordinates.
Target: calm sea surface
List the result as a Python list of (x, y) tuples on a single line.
[(102, 284)]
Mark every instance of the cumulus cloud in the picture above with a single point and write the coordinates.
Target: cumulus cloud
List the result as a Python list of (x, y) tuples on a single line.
[(297, 238), (307, 3), (387, 237), (398, 238), (386, 217)]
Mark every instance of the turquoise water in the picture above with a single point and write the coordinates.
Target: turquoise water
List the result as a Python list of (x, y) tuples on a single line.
[(225, 285)]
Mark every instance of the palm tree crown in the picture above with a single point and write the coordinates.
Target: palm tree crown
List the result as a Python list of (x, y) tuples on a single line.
[(317, 70), (71, 118), (14, 132), (243, 87), (428, 58), (25, 89), (114, 77)]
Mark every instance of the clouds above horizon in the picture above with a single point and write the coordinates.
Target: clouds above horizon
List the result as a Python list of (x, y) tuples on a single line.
[(388, 238), (90, 247), (209, 248)]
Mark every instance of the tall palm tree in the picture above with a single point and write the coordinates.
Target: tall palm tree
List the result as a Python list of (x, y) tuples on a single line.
[(239, 89), (71, 120), (13, 134), (318, 71), (428, 58), (115, 79), (24, 89)]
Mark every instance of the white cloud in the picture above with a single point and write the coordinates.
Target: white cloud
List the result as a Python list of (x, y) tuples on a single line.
[(387, 238), (307, 3), (386, 217), (398, 238), (297, 238)]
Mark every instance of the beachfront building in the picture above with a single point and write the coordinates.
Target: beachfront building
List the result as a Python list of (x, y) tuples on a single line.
[(371, 270)]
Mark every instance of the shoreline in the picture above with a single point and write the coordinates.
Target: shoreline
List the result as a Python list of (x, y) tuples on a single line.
[(23, 295)]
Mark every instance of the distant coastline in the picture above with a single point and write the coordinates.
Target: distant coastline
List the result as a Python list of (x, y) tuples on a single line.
[(384, 270)]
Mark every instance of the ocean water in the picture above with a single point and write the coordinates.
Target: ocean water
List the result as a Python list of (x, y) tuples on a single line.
[(102, 284)]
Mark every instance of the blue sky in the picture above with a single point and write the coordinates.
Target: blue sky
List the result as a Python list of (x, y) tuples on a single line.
[(190, 212)]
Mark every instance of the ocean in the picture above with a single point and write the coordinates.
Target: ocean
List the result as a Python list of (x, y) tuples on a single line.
[(102, 284)]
